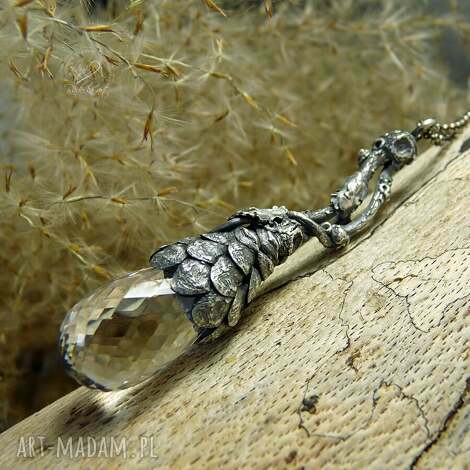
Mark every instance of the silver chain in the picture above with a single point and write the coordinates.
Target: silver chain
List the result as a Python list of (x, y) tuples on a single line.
[(437, 133)]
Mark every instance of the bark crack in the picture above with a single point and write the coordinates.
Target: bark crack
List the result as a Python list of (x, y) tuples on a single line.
[(402, 297), (387, 285), (459, 404), (375, 400), (305, 400)]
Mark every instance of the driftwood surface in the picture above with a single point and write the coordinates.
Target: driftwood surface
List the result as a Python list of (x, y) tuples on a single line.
[(361, 361)]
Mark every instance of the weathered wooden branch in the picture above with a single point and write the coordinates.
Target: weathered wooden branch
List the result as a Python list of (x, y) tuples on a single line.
[(360, 362)]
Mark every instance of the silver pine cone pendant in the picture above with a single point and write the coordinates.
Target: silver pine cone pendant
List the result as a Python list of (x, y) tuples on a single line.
[(197, 288)]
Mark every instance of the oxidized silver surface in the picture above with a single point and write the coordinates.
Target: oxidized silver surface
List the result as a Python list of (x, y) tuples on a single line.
[(191, 277)]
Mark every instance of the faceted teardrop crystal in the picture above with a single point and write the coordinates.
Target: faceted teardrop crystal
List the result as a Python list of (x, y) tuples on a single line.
[(125, 331)]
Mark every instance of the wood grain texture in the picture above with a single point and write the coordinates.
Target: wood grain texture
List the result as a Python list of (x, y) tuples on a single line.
[(361, 361)]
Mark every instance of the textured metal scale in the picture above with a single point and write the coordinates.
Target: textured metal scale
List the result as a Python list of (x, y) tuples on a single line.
[(220, 272)]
